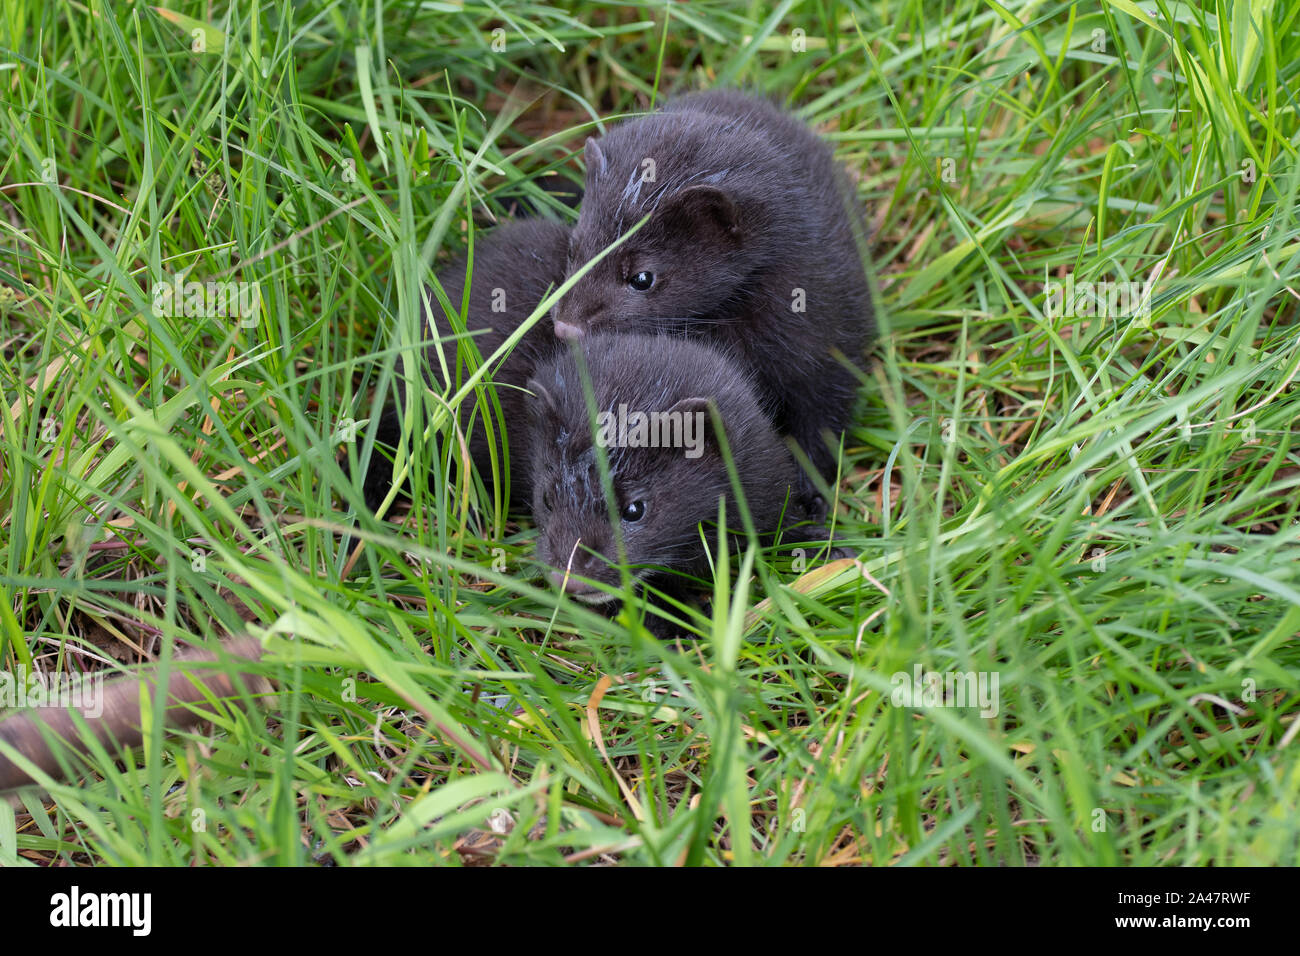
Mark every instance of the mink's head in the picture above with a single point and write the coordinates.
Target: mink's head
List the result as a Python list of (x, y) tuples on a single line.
[(705, 238), (654, 399)]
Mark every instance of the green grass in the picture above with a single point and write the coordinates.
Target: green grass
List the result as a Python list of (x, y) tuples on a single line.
[(1100, 511)]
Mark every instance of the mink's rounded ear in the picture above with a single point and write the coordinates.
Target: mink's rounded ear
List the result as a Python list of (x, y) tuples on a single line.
[(543, 400), (594, 158), (704, 211), (698, 425)]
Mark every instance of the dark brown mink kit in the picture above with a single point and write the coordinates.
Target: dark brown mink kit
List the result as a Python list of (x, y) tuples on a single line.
[(663, 491), (753, 242)]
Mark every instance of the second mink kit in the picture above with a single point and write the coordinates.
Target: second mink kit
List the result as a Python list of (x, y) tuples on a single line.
[(743, 298)]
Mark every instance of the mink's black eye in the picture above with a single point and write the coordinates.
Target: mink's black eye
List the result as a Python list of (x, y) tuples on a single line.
[(642, 281), (634, 511), (547, 503)]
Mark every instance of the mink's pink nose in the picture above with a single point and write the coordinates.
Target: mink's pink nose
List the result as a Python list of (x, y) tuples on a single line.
[(564, 330), (573, 586)]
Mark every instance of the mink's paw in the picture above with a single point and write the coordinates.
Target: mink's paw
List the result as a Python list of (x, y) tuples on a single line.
[(663, 629), (810, 500)]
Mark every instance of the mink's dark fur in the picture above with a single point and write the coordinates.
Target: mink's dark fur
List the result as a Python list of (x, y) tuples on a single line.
[(514, 266), (648, 373), (747, 208)]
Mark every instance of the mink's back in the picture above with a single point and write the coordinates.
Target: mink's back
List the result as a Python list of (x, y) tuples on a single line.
[(825, 261), (834, 212), (766, 158), (754, 114)]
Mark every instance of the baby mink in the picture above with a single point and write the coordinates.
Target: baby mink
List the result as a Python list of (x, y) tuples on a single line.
[(751, 242), (666, 471), (514, 266)]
